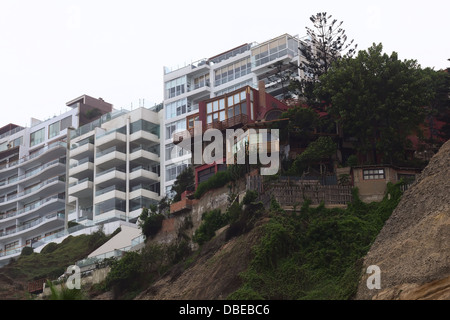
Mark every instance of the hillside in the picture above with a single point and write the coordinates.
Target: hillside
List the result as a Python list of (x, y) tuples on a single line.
[(213, 275), (413, 248), (50, 263)]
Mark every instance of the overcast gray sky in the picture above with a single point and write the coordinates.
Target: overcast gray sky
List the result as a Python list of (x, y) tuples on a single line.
[(52, 51)]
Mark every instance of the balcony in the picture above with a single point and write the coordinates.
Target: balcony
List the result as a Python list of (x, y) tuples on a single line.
[(142, 191), (81, 189), (50, 186), (109, 177), (55, 217), (53, 150), (109, 139), (83, 169), (50, 203), (111, 157), (145, 155), (79, 152), (235, 121), (142, 174), (110, 192), (144, 137), (181, 206), (200, 90)]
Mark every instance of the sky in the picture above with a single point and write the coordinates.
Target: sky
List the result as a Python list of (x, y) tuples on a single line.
[(53, 51)]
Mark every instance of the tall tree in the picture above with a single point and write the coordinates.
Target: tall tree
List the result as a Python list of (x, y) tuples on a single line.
[(326, 44), (185, 180), (378, 99)]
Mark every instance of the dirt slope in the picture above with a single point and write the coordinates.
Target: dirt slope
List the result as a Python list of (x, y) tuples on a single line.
[(212, 276), (413, 248)]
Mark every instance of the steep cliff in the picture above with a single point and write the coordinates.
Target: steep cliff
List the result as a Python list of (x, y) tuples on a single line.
[(413, 248)]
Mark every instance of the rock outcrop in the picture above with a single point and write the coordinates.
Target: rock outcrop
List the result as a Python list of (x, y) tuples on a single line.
[(413, 248)]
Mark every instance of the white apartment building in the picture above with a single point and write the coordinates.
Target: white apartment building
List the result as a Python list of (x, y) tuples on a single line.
[(114, 167), (33, 175), (185, 87)]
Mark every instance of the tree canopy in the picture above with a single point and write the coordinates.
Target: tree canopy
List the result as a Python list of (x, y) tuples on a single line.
[(378, 99)]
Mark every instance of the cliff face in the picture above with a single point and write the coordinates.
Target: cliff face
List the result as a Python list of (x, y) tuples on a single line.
[(413, 248)]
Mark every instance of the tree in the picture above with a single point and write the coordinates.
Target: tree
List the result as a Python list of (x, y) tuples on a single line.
[(150, 221), (327, 43), (318, 151), (184, 181), (378, 99)]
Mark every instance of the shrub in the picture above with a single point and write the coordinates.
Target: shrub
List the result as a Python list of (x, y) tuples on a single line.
[(212, 221), (26, 251), (150, 223), (49, 248), (218, 180), (124, 272)]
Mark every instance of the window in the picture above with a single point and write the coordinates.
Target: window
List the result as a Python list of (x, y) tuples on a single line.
[(173, 151), (373, 174), (144, 126), (37, 137), (173, 127), (65, 123), (201, 81), (191, 121), (11, 245), (17, 142), (174, 170), (226, 108), (53, 130), (175, 87), (232, 71)]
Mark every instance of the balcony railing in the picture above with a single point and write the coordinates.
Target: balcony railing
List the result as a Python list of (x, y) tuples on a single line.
[(32, 224), (34, 155), (32, 206), (228, 123), (33, 189)]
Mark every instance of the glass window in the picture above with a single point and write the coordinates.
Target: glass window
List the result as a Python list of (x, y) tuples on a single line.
[(37, 137), (244, 107), (209, 119), (230, 113), (222, 104), (230, 101), (215, 105), (237, 110), (374, 174), (209, 107), (65, 123), (53, 130), (222, 115)]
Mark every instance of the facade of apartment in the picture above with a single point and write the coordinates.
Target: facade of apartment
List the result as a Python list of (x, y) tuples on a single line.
[(33, 175), (185, 88), (114, 167)]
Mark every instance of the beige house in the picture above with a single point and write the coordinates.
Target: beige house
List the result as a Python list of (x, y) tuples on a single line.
[(371, 180)]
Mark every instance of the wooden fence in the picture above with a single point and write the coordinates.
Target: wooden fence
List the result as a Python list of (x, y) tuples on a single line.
[(295, 193)]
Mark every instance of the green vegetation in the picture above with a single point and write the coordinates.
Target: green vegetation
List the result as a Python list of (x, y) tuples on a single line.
[(184, 181), (240, 217), (218, 180), (314, 253), (54, 258), (150, 222), (135, 271), (65, 293)]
